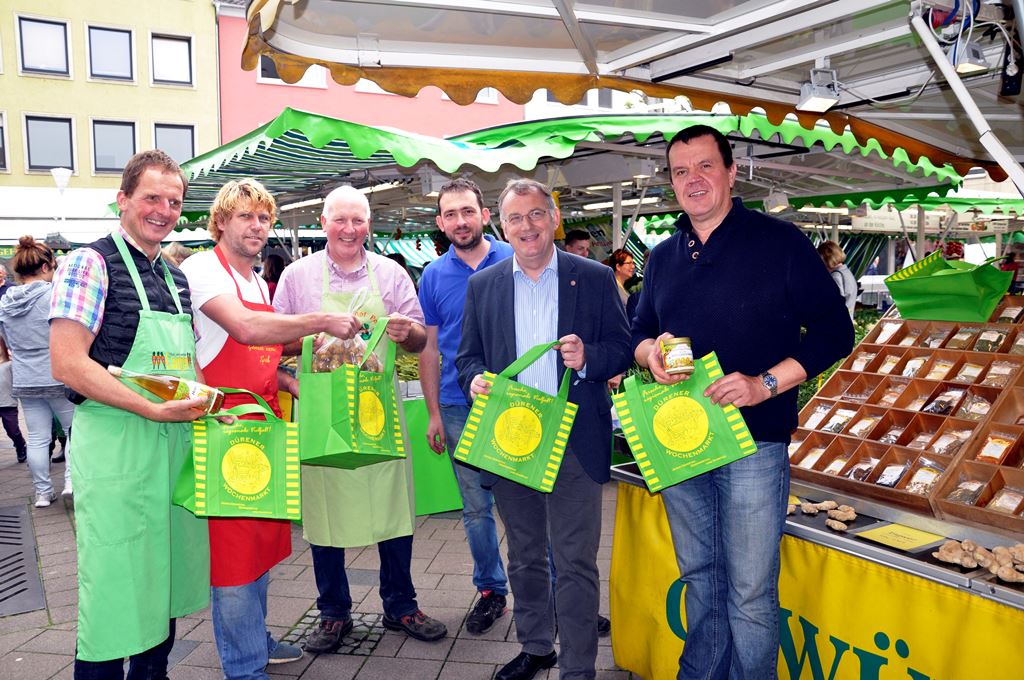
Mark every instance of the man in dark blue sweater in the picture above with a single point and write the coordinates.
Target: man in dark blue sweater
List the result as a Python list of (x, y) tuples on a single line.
[(742, 284)]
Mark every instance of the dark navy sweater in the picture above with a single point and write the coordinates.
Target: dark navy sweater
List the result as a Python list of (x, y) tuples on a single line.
[(745, 294)]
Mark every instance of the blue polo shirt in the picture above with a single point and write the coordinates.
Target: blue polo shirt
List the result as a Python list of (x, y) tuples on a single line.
[(442, 297)]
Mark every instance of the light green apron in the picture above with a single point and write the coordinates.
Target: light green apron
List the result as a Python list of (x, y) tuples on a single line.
[(351, 508), (141, 560)]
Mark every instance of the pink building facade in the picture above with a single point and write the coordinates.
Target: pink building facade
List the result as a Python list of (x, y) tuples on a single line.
[(249, 99)]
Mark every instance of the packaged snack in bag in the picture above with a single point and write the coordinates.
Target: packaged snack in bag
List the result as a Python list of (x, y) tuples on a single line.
[(1018, 344), (990, 341), (968, 373), (935, 339), (950, 441), (863, 425), (967, 491), (889, 329), (836, 465), (892, 474), (861, 360), (861, 469), (920, 442), (963, 338), (975, 407), (999, 374), (1010, 314), (892, 393), (910, 338), (794, 446), (995, 447), (838, 420), (944, 403), (1007, 500), (892, 435), (817, 415), (811, 458), (939, 369), (924, 477), (889, 363), (912, 366)]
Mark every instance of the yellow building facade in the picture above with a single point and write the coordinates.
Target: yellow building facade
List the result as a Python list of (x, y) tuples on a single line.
[(85, 84)]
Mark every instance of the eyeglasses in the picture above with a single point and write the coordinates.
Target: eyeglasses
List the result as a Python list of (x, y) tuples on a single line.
[(536, 215)]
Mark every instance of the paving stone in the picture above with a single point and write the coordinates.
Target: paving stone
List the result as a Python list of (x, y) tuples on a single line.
[(288, 588), (417, 649), (390, 643), (201, 632), (386, 668), (304, 557), (445, 598), (456, 582), (180, 672), (18, 665), (334, 667), (460, 547), (287, 571), (27, 621), (58, 558), (455, 535), (292, 669), (13, 640), (426, 548), (62, 598), (426, 581), (484, 651), (285, 611), (65, 613), (51, 642), (441, 523), (456, 670), (452, 563), (204, 656)]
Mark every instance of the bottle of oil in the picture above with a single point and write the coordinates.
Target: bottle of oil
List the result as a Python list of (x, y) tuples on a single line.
[(169, 387)]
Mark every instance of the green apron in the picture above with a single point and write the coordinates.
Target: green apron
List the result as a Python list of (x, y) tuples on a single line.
[(351, 508), (141, 560)]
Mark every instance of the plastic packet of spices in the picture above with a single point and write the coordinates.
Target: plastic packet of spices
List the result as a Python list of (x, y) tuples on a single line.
[(811, 458), (994, 447), (989, 341), (944, 403), (963, 338), (939, 369), (838, 420), (892, 474), (999, 374), (888, 330), (967, 491), (863, 425), (912, 366), (1007, 500), (860, 470), (861, 360), (924, 477), (975, 407), (892, 435), (1010, 314), (817, 415), (836, 465), (935, 339), (920, 442), (888, 364), (950, 441), (968, 373), (910, 338), (794, 446)]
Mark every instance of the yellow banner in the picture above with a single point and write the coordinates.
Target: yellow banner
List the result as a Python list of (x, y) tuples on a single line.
[(841, 617)]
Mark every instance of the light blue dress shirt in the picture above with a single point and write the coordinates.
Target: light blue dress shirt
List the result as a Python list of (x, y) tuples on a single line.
[(536, 316)]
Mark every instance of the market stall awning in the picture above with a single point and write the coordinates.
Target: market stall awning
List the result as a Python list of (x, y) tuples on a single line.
[(749, 54), (301, 156)]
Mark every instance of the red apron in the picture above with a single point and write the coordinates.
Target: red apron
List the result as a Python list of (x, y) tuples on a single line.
[(242, 549)]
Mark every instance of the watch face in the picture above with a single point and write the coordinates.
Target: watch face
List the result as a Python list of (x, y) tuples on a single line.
[(770, 382)]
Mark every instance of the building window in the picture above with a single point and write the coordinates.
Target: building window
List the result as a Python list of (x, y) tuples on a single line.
[(110, 53), (604, 98), (49, 143), (551, 97), (113, 143), (315, 75), (44, 46), (3, 142), (177, 141), (172, 60)]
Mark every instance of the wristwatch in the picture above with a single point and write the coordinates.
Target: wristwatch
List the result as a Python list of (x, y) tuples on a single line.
[(771, 382)]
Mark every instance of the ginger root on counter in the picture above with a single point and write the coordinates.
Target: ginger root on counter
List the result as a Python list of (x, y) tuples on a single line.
[(952, 552), (1002, 561), (843, 513), (809, 508), (834, 524), (1007, 573), (827, 505), (790, 509)]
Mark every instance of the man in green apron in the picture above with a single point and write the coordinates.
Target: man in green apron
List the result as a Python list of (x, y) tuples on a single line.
[(372, 504), (142, 562)]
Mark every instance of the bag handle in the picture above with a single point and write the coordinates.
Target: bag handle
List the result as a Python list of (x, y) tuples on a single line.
[(307, 354), (261, 406), (529, 358), (378, 332)]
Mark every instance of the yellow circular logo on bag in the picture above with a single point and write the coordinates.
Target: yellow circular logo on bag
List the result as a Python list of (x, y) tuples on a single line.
[(371, 413), (245, 469), (681, 424), (517, 431)]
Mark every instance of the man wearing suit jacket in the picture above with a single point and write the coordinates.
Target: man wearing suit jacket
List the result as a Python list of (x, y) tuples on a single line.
[(553, 296)]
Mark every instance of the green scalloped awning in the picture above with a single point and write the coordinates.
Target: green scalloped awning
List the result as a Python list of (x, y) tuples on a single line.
[(300, 152)]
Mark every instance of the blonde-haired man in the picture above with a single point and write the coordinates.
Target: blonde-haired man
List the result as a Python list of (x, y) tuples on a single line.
[(240, 342)]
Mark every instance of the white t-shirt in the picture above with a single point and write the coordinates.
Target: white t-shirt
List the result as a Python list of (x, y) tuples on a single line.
[(207, 279)]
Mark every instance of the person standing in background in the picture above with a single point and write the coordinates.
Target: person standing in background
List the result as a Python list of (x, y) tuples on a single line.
[(5, 285), (577, 242), (24, 327), (834, 258), (9, 405)]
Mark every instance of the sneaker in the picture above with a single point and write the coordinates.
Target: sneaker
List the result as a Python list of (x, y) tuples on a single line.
[(22, 455), (284, 653), (43, 500), (604, 627), (328, 636), (489, 608), (68, 490), (417, 625)]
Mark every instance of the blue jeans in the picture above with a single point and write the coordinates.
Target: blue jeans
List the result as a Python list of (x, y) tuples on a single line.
[(726, 527), (477, 511), (39, 415), (239, 627), (396, 589), (148, 665)]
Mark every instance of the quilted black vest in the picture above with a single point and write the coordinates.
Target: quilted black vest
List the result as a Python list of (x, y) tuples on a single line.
[(121, 309)]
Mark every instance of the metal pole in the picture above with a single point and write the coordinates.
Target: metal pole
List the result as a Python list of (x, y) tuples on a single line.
[(617, 239), (921, 217)]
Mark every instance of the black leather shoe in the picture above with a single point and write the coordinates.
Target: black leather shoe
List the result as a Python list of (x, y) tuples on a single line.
[(604, 627), (525, 666)]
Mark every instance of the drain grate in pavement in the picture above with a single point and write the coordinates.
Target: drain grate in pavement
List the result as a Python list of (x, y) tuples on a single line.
[(367, 630), (20, 588)]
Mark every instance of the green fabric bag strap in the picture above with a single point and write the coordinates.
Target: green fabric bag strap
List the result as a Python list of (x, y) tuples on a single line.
[(307, 355), (261, 406), (390, 355), (530, 357)]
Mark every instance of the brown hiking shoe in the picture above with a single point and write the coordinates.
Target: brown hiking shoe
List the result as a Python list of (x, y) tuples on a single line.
[(417, 625)]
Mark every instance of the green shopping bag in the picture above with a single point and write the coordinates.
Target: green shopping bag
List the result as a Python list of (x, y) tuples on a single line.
[(350, 416), (247, 469), (934, 289), (518, 432), (437, 489), (675, 432)]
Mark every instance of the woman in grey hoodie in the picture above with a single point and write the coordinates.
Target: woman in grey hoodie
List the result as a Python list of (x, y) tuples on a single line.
[(24, 326), (833, 256)]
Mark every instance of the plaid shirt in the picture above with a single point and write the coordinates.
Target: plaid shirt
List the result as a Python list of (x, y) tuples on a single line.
[(80, 287)]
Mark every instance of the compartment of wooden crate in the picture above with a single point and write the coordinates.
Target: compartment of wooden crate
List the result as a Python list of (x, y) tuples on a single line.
[(1009, 310), (913, 362), (812, 449), (994, 443), (943, 364), (889, 391), (862, 388), (1001, 370), (972, 369), (890, 426), (865, 421), (1000, 504), (886, 332), (887, 360), (813, 414), (837, 384), (795, 440), (977, 403), (919, 393), (964, 487), (936, 334), (882, 482), (954, 434), (1015, 344), (861, 358), (920, 432), (809, 467), (1010, 410), (964, 337), (945, 399), (925, 475), (995, 338)]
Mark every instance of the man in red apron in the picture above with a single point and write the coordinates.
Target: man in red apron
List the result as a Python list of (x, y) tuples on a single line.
[(239, 345)]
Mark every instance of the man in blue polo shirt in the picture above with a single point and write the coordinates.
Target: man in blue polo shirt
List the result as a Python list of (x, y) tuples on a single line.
[(461, 216)]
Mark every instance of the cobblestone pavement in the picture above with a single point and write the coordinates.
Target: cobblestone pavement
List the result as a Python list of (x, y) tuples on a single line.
[(40, 644)]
